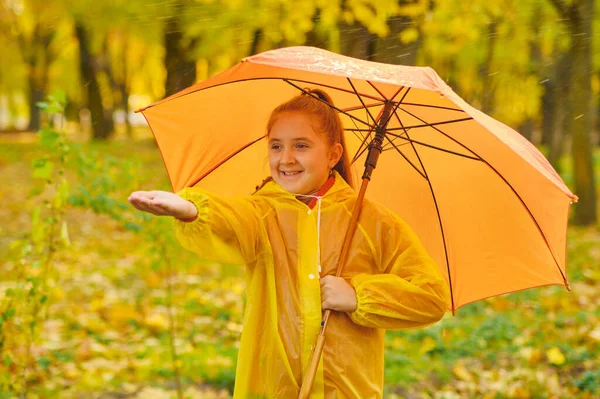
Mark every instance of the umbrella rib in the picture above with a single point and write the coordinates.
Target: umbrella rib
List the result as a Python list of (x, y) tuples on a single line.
[(425, 124), (434, 147), (357, 133), (397, 92), (361, 138), (363, 141), (327, 86), (511, 187), (179, 94), (437, 210), (435, 106), (377, 90), (361, 101), (227, 159), (405, 157), (325, 102), (359, 154), (360, 107), (385, 147), (438, 130)]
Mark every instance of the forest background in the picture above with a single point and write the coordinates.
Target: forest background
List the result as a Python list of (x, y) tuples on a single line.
[(96, 300)]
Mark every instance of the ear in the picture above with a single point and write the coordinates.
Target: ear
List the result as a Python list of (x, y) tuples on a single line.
[(335, 153)]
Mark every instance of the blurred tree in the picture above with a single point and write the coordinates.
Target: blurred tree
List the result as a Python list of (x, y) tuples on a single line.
[(34, 27), (180, 65), (481, 49), (578, 16), (102, 125)]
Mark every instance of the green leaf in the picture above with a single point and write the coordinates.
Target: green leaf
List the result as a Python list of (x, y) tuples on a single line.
[(38, 162), (59, 96), (7, 361), (44, 362), (64, 189), (44, 172), (35, 215), (43, 299), (132, 227), (64, 234), (9, 313), (34, 192), (42, 105), (55, 108), (48, 137)]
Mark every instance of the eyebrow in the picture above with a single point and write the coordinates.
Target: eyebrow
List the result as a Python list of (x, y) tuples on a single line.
[(296, 139)]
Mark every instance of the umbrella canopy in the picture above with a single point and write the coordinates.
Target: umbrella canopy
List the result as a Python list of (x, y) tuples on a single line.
[(486, 204)]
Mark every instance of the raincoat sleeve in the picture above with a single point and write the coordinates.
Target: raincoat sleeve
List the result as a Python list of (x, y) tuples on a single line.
[(410, 293), (225, 230)]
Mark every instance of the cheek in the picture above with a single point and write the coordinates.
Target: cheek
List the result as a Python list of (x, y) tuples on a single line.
[(273, 160)]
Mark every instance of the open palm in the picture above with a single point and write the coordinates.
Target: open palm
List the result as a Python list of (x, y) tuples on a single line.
[(162, 203)]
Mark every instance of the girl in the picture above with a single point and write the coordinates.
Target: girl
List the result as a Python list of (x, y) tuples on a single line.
[(289, 235)]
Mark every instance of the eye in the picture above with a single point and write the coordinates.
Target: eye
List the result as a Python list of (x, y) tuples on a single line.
[(275, 146), (301, 145)]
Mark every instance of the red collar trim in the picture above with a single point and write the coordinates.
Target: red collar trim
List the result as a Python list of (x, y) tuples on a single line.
[(324, 188)]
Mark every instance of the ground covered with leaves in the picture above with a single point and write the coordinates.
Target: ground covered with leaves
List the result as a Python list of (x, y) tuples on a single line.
[(127, 313)]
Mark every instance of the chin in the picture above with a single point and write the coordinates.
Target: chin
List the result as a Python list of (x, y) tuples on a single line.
[(292, 187)]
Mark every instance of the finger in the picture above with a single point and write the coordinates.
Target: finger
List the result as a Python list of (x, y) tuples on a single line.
[(137, 203), (137, 206), (139, 194), (147, 205)]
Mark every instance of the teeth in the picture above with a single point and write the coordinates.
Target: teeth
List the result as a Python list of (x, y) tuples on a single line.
[(290, 173)]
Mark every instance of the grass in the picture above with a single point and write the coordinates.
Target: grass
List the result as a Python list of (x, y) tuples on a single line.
[(107, 330)]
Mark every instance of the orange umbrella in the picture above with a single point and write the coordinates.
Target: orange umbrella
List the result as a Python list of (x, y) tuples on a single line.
[(486, 204)]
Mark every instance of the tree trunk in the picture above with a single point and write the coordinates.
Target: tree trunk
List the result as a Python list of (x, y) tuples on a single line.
[(316, 37), (391, 50), (105, 67), (256, 39), (559, 121), (181, 71), (548, 110), (487, 95), (527, 128), (124, 88), (91, 90), (37, 59), (36, 94), (582, 112), (358, 41)]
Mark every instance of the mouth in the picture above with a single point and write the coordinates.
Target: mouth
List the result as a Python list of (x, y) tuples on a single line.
[(290, 173)]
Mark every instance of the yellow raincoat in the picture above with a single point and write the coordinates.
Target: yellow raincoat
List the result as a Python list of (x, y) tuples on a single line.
[(398, 286)]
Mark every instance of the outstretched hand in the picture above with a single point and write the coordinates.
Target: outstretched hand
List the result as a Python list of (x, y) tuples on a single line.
[(163, 203)]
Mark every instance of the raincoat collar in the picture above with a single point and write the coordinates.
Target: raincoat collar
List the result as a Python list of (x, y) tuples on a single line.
[(272, 189)]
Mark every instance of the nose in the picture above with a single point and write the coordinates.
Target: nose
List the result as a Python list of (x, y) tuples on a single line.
[(287, 157)]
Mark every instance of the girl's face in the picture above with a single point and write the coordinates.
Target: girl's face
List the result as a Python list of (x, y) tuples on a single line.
[(299, 157)]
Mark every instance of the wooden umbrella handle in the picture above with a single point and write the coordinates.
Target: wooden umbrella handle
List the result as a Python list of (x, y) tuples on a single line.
[(315, 355)]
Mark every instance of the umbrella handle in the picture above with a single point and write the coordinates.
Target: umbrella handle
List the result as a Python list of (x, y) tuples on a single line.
[(315, 355), (375, 150), (313, 364)]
